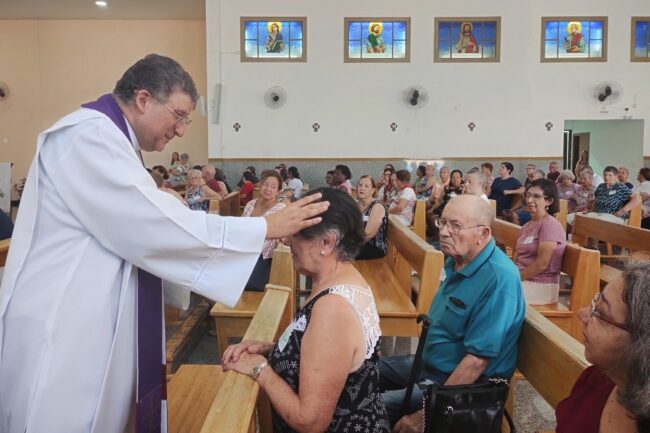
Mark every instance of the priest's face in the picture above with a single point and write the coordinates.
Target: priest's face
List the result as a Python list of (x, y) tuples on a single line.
[(161, 121)]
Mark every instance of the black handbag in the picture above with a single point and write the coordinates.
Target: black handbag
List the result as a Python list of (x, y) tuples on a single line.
[(474, 408)]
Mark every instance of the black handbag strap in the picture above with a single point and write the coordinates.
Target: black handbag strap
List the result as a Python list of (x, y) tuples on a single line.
[(417, 362)]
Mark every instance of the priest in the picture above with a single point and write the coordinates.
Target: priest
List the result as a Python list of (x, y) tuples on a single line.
[(81, 329)]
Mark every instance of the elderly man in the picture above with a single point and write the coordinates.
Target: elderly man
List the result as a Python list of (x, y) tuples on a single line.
[(553, 171), (475, 184), (476, 315), (207, 174), (81, 317)]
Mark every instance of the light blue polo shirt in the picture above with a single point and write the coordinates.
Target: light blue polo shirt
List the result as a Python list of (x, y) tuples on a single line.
[(479, 310)]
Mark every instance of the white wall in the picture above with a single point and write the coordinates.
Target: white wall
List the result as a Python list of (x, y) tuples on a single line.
[(509, 101), (613, 142)]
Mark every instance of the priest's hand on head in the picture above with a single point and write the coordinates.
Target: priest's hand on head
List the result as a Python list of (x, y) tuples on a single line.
[(295, 217)]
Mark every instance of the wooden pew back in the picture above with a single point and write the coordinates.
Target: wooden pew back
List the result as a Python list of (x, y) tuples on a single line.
[(635, 216), (626, 236), (233, 407), (549, 359), (419, 226), (227, 206), (562, 213), (408, 252), (4, 250)]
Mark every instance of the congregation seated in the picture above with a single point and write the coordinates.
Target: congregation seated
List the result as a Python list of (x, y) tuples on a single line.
[(221, 177), (329, 178), (208, 173), (503, 187), (567, 189), (644, 193), (268, 203), (486, 169), (541, 244), (613, 394), (427, 183), (403, 204), (160, 169), (445, 176), (624, 177), (519, 213), (294, 183), (475, 184), (553, 172), (322, 374), (453, 189), (613, 199), (585, 196), (342, 176), (477, 314), (385, 185), (198, 194), (375, 220), (160, 183), (180, 167), (247, 188)]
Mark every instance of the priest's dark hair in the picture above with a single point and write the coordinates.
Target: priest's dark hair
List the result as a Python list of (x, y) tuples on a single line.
[(159, 75)]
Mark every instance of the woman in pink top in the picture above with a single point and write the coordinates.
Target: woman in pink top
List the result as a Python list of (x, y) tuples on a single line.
[(541, 245)]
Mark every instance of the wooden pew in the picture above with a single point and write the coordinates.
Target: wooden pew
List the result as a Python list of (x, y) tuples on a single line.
[(419, 226), (182, 341), (562, 213), (227, 206), (390, 279), (233, 322), (635, 217), (634, 239), (202, 398), (549, 359), (579, 263), (4, 250)]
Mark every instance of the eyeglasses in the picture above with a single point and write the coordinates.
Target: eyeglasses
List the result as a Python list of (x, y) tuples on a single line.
[(180, 120), (594, 312), (453, 227)]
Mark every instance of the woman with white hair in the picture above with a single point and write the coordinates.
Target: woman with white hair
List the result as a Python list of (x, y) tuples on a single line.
[(198, 194), (567, 189)]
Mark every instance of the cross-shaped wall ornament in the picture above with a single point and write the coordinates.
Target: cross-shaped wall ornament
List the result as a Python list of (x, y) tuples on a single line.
[(316, 127), (549, 126), (471, 126), (236, 125), (393, 126)]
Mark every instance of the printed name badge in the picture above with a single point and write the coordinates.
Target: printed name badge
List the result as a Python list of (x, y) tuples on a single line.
[(298, 324), (569, 193), (612, 192), (529, 240), (365, 218)]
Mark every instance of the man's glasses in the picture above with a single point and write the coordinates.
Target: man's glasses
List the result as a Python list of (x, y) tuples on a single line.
[(594, 312), (453, 226), (180, 120)]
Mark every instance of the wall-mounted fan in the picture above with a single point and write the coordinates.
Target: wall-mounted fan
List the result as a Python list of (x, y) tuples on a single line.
[(415, 97), (608, 92), (275, 97), (4, 91)]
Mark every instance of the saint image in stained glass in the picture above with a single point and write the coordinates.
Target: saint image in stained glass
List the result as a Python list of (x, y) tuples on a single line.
[(274, 41), (467, 42), (574, 42), (375, 42)]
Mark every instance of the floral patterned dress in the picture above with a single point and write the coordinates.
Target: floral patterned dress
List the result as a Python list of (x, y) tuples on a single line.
[(360, 408)]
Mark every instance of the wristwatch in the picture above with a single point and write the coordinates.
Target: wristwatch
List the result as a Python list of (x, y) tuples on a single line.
[(255, 372)]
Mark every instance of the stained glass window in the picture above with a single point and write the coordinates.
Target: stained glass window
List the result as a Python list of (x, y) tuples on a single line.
[(640, 50), (377, 39), (273, 39), (574, 39), (467, 39)]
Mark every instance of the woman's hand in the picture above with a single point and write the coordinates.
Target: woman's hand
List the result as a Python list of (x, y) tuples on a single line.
[(233, 352), (245, 363)]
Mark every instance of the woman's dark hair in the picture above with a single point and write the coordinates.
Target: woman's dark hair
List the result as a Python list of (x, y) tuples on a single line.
[(342, 217), (178, 158), (218, 174), (389, 166), (274, 174), (198, 167), (549, 189), (645, 173), (159, 75), (455, 170), (636, 358), (403, 176), (249, 176), (509, 166), (345, 170), (421, 170), (293, 171), (162, 170), (610, 169)]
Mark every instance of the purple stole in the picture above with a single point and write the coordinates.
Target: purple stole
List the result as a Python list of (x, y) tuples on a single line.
[(151, 378)]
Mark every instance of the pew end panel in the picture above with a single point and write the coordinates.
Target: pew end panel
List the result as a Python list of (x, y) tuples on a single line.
[(419, 226)]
